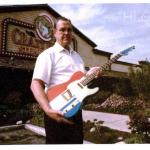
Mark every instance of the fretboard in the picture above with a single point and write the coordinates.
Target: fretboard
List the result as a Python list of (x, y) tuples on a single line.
[(92, 76)]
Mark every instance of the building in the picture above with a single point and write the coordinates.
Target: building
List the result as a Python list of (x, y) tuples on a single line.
[(21, 29), (21, 38), (25, 31)]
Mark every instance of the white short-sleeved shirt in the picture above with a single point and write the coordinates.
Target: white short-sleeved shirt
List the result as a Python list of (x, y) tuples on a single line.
[(56, 65)]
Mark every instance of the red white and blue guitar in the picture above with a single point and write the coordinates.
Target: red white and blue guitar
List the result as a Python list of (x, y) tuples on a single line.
[(68, 97)]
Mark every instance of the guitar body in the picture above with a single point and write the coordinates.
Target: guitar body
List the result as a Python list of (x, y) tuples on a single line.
[(67, 97)]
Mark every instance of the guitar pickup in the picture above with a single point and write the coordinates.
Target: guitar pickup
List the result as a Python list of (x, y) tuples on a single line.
[(80, 85)]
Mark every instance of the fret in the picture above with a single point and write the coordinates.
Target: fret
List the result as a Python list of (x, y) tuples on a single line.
[(88, 79), (103, 67)]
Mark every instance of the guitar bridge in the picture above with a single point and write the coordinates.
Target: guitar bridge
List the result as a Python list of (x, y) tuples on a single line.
[(67, 95)]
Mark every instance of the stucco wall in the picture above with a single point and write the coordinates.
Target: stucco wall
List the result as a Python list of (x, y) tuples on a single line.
[(119, 67), (87, 54), (124, 67)]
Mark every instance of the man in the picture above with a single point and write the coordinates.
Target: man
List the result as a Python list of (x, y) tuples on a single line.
[(55, 66)]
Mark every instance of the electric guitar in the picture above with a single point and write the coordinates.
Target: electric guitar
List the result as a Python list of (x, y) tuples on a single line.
[(67, 97)]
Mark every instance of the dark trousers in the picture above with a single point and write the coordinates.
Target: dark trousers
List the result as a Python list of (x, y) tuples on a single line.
[(60, 133)]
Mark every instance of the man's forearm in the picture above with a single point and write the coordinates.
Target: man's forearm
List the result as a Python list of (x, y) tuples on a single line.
[(39, 94)]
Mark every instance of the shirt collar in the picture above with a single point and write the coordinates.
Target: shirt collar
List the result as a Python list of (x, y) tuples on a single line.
[(59, 48)]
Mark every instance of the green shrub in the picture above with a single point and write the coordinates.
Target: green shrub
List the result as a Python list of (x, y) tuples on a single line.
[(97, 98), (134, 139), (37, 115), (140, 124), (123, 87), (101, 134)]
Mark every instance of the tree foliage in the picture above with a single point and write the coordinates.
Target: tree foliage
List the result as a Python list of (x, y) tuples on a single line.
[(140, 80)]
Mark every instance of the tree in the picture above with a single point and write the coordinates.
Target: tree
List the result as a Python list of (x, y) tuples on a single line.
[(140, 80)]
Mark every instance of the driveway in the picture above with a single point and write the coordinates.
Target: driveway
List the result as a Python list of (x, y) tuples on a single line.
[(114, 121)]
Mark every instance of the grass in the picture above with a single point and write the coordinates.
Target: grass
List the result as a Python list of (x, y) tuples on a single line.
[(98, 134), (94, 132)]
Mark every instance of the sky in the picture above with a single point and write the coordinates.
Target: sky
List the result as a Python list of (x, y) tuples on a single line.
[(111, 26)]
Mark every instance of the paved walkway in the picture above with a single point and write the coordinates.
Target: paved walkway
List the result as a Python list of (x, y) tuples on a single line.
[(114, 121), (41, 131)]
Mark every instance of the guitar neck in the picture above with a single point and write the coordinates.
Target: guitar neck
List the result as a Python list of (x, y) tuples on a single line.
[(92, 76)]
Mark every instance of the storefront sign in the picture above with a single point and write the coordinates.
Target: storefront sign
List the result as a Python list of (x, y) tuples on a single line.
[(20, 39)]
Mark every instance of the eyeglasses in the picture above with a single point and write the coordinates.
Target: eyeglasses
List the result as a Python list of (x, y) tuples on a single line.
[(63, 30)]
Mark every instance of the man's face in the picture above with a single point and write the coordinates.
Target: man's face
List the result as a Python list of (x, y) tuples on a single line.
[(63, 33)]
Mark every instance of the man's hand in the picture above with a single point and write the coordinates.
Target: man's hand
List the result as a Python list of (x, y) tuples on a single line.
[(58, 116), (96, 70)]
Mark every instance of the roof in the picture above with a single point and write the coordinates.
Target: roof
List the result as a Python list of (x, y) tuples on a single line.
[(104, 53), (127, 63), (16, 8)]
